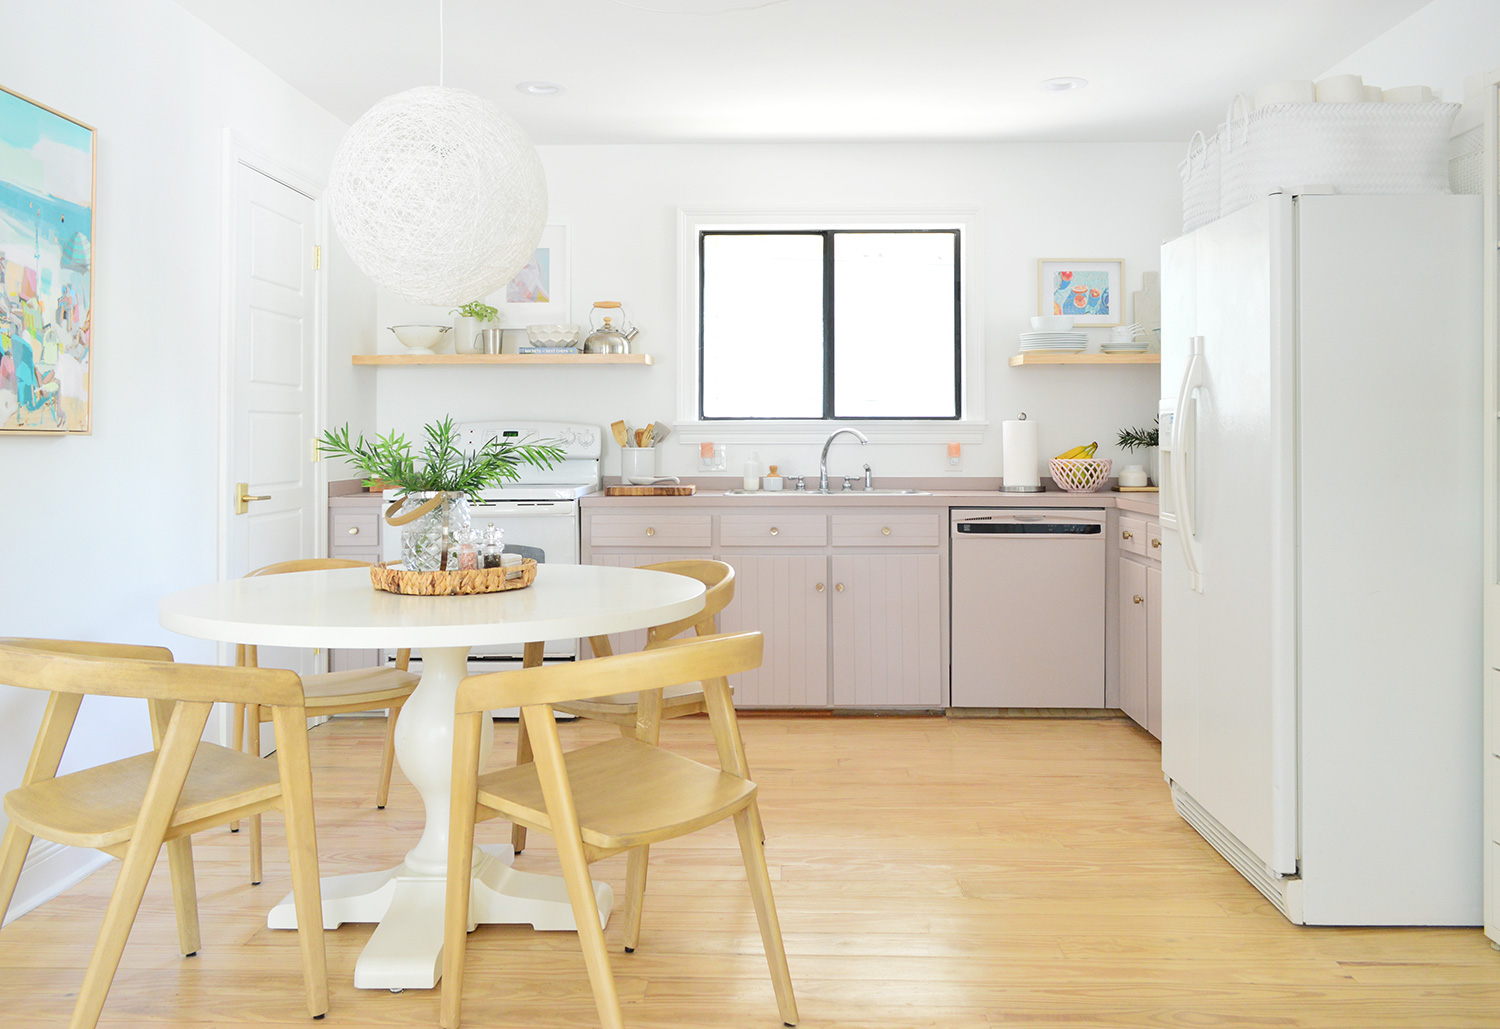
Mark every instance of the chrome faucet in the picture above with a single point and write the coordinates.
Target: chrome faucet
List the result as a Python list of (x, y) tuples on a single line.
[(823, 460)]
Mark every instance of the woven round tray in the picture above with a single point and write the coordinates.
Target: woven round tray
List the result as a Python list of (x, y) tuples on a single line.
[(452, 584)]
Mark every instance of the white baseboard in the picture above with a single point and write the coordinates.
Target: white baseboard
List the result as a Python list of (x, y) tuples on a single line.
[(50, 869)]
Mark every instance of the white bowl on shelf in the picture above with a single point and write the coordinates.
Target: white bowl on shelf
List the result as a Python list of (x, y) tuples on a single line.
[(420, 337), (1052, 322), (554, 335)]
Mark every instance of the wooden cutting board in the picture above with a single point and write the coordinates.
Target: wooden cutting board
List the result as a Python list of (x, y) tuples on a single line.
[(650, 491)]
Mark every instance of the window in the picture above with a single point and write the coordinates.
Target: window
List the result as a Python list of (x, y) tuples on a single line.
[(830, 324)]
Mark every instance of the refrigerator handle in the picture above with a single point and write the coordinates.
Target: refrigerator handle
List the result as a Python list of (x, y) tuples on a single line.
[(1182, 501)]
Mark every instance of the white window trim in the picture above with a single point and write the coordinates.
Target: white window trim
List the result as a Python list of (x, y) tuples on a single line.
[(969, 428)]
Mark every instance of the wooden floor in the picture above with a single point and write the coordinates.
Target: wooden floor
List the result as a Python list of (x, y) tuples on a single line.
[(928, 872)]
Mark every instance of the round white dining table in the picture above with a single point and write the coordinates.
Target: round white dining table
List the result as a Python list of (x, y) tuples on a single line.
[(340, 608)]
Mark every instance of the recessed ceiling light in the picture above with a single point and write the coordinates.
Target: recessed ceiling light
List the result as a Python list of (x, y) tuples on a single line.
[(539, 88), (1062, 84)]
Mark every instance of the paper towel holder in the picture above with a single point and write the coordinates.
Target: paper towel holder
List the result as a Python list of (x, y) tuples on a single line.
[(1021, 489)]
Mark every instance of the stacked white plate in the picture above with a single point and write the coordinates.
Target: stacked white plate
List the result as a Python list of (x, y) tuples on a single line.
[(1059, 342), (1123, 346)]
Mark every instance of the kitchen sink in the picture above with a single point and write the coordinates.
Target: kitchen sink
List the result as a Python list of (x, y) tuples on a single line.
[(830, 493)]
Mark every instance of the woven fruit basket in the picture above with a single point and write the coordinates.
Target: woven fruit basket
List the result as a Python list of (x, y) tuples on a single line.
[(453, 584), (1080, 476)]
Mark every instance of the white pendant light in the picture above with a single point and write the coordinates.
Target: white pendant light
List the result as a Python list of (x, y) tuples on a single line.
[(438, 195)]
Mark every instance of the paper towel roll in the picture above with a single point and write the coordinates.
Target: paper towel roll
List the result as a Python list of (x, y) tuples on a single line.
[(1019, 453)]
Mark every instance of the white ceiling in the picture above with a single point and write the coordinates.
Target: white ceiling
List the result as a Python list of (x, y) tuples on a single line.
[(813, 70)]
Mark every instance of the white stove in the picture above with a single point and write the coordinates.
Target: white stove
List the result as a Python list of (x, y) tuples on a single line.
[(538, 513)]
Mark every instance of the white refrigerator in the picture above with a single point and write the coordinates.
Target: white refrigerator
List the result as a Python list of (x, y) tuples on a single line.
[(1321, 691)]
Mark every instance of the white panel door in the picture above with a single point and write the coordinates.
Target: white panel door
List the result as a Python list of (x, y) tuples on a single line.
[(273, 383)]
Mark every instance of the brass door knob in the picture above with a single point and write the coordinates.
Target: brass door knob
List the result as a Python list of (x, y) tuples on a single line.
[(1156, 544), (1138, 599), (243, 497), (650, 532), (839, 587), (775, 531), (819, 587), (1126, 534), (885, 530), (354, 530)]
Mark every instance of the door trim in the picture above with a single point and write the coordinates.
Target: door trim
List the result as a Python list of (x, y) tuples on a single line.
[(238, 151)]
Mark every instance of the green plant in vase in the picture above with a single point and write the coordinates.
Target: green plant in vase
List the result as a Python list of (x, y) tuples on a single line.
[(471, 317), (1143, 439), (434, 486)]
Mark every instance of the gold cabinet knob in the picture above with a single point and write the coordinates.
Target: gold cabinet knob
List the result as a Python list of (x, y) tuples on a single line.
[(1126, 534), (839, 588), (1138, 599), (650, 532), (1156, 544), (819, 587), (775, 531), (885, 530), (354, 530)]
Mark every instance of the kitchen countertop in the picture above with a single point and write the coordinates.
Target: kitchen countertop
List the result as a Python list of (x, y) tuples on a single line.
[(977, 496)]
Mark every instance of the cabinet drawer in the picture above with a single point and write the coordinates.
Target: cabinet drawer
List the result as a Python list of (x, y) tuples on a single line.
[(918, 529), (353, 527), (773, 530), (651, 530), (1132, 535), (369, 555), (1153, 541)]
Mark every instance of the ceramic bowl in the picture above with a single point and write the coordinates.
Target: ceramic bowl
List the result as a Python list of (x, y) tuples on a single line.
[(420, 337), (553, 335), (1052, 322)]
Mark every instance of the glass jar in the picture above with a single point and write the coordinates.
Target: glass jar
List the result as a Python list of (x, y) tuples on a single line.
[(427, 539), (465, 555), (492, 547)]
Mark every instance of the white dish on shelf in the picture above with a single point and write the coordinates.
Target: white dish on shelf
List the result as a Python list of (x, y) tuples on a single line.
[(420, 337)]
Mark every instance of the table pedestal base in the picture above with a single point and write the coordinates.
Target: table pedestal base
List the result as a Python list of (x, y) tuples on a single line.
[(406, 951)]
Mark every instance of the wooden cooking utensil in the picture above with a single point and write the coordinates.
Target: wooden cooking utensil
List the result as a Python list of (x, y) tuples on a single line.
[(640, 435), (647, 435), (618, 428)]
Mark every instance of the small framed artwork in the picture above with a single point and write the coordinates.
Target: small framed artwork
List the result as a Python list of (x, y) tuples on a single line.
[(538, 295), (46, 269), (1090, 291)]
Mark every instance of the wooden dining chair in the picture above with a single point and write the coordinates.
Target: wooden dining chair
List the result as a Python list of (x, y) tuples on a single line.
[(643, 721), (133, 807), (615, 796), (330, 693)]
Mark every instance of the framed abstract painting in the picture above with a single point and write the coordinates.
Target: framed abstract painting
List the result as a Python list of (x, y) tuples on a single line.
[(46, 269), (1088, 290), (539, 292)]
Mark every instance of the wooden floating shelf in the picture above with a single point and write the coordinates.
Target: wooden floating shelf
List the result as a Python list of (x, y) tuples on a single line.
[(388, 359), (1043, 357)]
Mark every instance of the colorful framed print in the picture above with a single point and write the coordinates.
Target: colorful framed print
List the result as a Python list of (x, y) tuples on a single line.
[(1090, 291), (46, 269), (538, 295)]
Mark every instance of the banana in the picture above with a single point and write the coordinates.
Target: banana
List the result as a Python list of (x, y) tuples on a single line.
[(1079, 453)]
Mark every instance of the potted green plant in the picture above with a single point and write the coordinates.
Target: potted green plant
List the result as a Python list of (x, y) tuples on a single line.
[(1143, 439), (472, 317), (434, 487)]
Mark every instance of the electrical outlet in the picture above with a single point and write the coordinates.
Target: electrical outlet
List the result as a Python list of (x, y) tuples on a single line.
[(954, 462)]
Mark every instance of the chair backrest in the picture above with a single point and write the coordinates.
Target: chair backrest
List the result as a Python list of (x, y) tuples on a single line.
[(718, 577), (671, 664), (179, 696)]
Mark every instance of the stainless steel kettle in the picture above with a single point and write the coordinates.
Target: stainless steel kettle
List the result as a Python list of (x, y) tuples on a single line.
[(608, 338)]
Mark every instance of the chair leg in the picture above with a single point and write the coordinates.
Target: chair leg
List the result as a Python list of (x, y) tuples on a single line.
[(12, 859), (238, 735), (575, 872), (184, 893), (635, 895), (531, 657), (252, 730), (461, 814), (302, 850), (124, 902), (255, 851), (387, 757), (765, 913)]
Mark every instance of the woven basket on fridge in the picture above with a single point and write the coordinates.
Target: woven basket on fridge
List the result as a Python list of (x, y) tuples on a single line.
[(1365, 148), (1200, 182), (1080, 476)]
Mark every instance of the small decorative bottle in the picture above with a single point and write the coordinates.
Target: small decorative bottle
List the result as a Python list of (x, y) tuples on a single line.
[(465, 550), (492, 547)]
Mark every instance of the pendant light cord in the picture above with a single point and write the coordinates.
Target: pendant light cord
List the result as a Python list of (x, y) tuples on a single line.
[(441, 46)]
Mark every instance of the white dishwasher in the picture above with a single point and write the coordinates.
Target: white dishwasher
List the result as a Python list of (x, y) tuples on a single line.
[(1027, 607)]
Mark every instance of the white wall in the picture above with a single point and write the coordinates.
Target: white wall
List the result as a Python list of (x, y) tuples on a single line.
[(1438, 46), (98, 528), (620, 204)]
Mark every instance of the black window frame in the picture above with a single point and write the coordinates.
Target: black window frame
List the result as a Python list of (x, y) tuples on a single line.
[(829, 327)]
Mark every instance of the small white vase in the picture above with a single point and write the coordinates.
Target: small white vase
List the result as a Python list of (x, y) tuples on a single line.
[(464, 331)]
